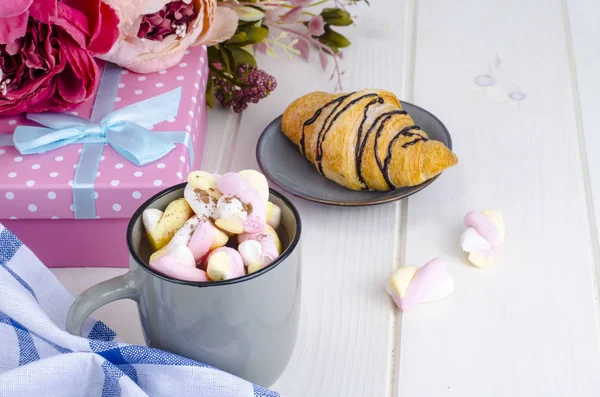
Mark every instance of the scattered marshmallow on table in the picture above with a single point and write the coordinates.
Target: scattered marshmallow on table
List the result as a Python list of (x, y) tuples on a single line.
[(411, 285), (483, 237), (190, 237)]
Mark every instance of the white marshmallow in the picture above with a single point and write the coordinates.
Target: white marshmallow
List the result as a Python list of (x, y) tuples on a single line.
[(273, 215), (150, 218), (252, 255), (471, 241), (231, 214), (442, 290), (203, 204), (184, 235), (180, 252)]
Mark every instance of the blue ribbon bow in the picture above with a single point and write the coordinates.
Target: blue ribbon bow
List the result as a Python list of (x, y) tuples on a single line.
[(125, 130)]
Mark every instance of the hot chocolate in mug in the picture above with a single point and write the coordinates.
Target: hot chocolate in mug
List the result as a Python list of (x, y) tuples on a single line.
[(246, 326)]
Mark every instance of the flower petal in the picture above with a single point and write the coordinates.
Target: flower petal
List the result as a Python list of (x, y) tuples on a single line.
[(224, 26), (300, 3), (12, 28), (14, 8), (106, 33), (323, 59), (316, 26), (304, 48), (292, 15), (248, 14), (42, 10)]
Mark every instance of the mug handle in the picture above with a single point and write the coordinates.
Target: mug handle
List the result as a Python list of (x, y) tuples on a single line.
[(120, 287)]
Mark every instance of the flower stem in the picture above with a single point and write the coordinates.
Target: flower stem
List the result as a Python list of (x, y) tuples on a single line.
[(318, 3), (222, 75)]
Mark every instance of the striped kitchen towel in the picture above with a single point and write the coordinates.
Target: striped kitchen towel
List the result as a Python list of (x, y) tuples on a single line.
[(39, 358)]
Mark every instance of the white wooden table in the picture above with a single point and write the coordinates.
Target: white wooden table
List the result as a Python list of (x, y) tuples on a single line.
[(528, 325)]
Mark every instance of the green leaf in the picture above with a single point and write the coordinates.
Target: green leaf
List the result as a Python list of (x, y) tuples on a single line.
[(241, 57), (336, 17), (239, 37), (333, 39), (225, 58), (210, 98), (256, 34), (213, 55)]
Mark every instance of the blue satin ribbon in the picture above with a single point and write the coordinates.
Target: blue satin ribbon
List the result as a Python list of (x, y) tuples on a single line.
[(126, 130)]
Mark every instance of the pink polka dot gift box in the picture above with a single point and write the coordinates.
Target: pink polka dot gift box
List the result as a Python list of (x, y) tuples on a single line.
[(69, 182)]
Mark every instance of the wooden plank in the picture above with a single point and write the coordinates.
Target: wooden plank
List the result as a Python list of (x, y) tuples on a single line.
[(584, 56), (528, 324), (222, 133), (343, 346)]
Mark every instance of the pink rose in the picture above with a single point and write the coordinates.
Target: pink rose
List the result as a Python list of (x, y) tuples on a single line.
[(154, 34), (46, 49)]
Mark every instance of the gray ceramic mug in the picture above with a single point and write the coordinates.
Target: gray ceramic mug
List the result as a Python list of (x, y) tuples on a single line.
[(245, 326)]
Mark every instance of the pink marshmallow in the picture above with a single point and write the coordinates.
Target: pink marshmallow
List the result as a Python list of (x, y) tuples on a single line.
[(235, 261), (233, 184), (424, 280), (171, 267), (202, 239), (269, 248), (485, 228)]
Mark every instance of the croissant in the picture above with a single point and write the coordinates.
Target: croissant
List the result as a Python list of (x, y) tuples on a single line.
[(364, 140)]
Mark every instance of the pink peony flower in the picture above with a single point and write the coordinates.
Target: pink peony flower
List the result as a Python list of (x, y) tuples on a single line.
[(46, 49), (154, 34), (316, 26)]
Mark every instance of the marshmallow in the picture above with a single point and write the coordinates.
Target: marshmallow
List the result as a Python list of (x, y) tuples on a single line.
[(231, 215), (259, 249), (206, 237), (176, 253), (483, 237), (268, 238), (204, 181), (252, 254), (411, 285), (177, 261), (258, 181), (150, 218), (183, 235), (273, 215), (234, 185), (174, 217), (203, 204), (224, 263)]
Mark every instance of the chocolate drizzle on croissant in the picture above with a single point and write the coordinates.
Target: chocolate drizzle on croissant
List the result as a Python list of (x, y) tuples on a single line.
[(352, 120)]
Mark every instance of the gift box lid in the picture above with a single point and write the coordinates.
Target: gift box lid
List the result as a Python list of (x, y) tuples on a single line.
[(41, 186)]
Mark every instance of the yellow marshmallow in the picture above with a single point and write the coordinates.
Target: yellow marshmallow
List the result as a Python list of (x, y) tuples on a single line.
[(400, 280)]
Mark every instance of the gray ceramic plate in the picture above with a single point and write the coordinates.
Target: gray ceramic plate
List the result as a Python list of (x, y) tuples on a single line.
[(281, 162)]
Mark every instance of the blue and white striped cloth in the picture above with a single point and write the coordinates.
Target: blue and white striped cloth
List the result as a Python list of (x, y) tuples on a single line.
[(38, 357)]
